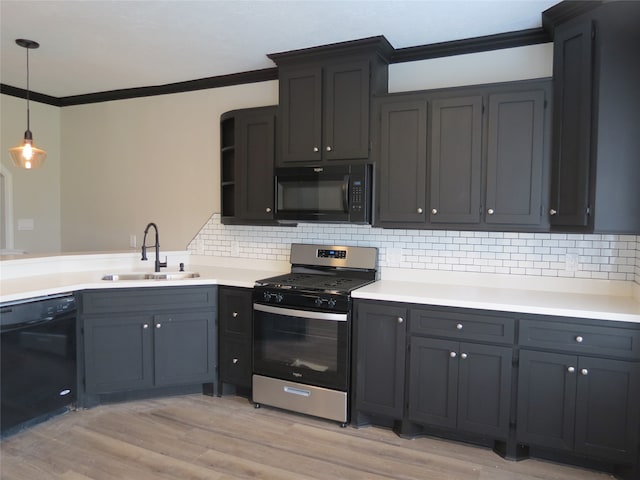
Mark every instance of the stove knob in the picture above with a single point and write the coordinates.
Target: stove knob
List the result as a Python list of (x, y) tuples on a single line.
[(318, 302), (279, 297), (332, 302), (266, 296)]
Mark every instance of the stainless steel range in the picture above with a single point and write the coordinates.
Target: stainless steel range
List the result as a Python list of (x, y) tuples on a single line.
[(302, 330)]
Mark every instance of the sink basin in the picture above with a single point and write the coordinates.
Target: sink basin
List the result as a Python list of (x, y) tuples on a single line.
[(114, 277)]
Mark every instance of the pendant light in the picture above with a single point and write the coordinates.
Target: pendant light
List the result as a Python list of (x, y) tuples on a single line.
[(26, 155)]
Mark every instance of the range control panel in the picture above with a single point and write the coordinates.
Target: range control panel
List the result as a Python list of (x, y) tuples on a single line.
[(332, 254)]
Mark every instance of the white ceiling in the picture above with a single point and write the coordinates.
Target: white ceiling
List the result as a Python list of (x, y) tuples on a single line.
[(89, 46)]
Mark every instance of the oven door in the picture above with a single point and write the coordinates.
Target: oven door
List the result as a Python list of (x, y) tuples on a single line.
[(310, 347)]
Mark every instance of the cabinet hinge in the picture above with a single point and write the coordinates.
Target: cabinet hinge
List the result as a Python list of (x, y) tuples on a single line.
[(587, 211), (545, 103)]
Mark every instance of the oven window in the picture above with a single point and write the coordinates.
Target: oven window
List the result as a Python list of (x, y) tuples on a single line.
[(311, 195), (306, 350)]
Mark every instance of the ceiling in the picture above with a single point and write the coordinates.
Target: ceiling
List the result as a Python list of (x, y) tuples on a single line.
[(90, 46)]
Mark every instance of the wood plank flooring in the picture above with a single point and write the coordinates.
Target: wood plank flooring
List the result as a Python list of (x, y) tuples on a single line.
[(198, 437)]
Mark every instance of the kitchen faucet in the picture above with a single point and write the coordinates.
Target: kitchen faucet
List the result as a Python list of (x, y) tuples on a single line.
[(158, 263)]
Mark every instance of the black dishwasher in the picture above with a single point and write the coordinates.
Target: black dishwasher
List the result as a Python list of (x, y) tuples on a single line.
[(38, 367)]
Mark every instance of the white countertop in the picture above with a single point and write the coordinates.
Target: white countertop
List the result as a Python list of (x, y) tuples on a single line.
[(30, 277), (37, 277), (566, 304)]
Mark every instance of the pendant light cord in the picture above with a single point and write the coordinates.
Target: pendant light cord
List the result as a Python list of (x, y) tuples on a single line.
[(28, 125)]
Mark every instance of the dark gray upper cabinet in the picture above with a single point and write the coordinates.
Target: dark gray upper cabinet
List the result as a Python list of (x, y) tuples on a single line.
[(402, 166), (516, 158), (456, 160), (325, 97), (464, 158), (247, 162), (596, 171)]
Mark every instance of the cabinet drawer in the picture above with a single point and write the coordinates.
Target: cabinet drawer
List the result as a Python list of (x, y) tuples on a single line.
[(460, 325), (235, 361), (235, 311), (591, 339), (147, 299)]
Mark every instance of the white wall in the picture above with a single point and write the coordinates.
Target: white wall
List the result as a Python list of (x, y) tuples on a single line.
[(36, 193), (130, 162)]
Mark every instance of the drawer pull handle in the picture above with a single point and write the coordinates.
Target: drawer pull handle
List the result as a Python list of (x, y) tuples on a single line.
[(235, 360), (453, 354), (145, 326), (579, 339), (234, 314), (571, 369), (584, 371), (400, 320), (463, 356), (459, 326)]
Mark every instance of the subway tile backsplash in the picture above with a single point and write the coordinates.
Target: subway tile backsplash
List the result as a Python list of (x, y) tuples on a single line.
[(607, 257)]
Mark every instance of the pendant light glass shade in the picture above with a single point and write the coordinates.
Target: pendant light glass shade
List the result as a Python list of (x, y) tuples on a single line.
[(27, 155)]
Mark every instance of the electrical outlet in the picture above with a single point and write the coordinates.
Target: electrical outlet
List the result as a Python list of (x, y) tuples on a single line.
[(133, 240), (394, 257), (235, 249)]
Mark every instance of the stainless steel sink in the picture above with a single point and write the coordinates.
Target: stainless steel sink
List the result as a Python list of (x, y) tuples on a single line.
[(114, 277)]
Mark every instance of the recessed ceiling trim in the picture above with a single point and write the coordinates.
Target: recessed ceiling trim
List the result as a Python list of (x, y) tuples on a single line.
[(519, 38)]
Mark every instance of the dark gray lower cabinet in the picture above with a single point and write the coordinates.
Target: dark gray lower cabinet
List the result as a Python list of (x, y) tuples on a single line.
[(379, 359), (460, 385), (583, 404), (554, 387), (147, 338), (235, 339)]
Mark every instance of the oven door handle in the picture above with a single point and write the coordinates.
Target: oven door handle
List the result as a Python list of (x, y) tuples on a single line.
[(291, 312)]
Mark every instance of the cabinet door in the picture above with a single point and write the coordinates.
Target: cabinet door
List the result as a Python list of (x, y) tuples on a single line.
[(571, 158), (184, 348), (255, 156), (379, 358), (345, 130), (608, 409), (546, 399), (456, 157), (433, 381), (402, 162), (300, 115), (484, 389), (515, 158), (118, 353)]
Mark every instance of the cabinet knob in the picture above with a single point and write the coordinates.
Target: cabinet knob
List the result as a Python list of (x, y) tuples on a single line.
[(235, 360), (584, 371), (453, 354), (234, 314), (434, 211), (490, 211), (463, 356), (571, 369), (419, 210), (552, 212), (268, 209), (158, 325), (316, 149), (459, 326), (579, 339), (328, 149), (400, 320), (145, 325)]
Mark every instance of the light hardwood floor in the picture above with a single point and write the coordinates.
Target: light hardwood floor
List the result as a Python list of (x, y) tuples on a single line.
[(200, 437)]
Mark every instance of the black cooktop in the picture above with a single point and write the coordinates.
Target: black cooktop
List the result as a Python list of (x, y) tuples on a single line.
[(321, 282)]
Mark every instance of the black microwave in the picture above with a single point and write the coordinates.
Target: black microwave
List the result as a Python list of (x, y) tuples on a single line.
[(332, 193)]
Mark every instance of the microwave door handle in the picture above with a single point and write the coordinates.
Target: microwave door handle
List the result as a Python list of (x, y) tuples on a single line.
[(345, 194)]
